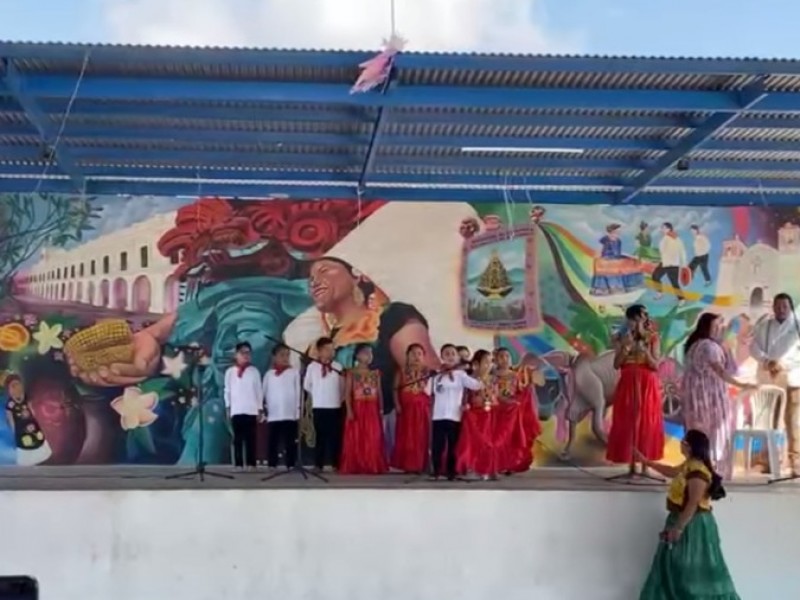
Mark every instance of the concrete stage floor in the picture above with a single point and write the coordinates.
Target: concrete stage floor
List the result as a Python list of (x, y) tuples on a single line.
[(155, 478)]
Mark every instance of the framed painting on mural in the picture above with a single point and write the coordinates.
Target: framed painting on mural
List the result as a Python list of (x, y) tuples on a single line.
[(499, 280)]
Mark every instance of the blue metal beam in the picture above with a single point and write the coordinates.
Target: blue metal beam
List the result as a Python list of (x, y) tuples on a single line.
[(347, 60), (750, 97), (262, 141), (14, 82), (401, 194), (433, 181), (85, 111), (284, 139), (194, 90)]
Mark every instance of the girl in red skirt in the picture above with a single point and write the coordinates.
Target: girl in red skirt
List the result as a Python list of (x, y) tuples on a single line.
[(477, 450), (412, 404), (517, 422), (637, 418), (362, 447)]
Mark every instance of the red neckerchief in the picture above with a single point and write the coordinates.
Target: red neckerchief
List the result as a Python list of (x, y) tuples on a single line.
[(240, 369), (326, 368), (279, 369), (672, 234)]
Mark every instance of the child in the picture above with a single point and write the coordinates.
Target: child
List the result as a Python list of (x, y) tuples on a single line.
[(412, 402), (244, 404), (477, 450), (449, 386), (363, 449), (324, 383), (282, 401), (518, 420)]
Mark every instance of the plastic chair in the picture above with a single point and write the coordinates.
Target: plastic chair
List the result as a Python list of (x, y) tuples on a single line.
[(767, 404)]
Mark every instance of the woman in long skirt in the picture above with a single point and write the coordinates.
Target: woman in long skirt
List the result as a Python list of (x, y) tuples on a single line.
[(688, 564), (412, 389), (707, 405), (362, 446), (637, 420)]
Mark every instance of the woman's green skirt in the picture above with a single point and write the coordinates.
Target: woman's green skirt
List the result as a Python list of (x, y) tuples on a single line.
[(693, 568)]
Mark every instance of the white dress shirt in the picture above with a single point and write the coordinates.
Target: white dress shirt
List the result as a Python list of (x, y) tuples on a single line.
[(448, 394), (326, 392), (243, 395), (701, 245), (673, 252), (282, 395), (779, 342)]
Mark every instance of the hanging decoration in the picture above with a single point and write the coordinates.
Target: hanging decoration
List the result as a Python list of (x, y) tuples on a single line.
[(375, 71)]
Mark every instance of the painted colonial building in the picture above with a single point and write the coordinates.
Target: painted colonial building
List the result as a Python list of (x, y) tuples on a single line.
[(121, 271), (754, 274)]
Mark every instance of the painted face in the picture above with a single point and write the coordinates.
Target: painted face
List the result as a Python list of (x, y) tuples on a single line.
[(330, 282), (416, 356), (450, 356), (503, 359), (364, 356), (282, 357), (782, 308), (16, 390), (326, 353)]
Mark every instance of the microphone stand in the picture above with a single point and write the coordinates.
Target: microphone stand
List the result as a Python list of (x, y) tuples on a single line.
[(631, 476), (194, 353)]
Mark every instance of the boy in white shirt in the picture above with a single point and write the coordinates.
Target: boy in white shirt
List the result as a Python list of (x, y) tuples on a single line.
[(282, 401), (325, 385), (448, 403), (243, 403)]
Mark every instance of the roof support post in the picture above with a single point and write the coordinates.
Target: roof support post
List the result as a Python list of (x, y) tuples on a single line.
[(749, 97), (377, 130), (14, 81)]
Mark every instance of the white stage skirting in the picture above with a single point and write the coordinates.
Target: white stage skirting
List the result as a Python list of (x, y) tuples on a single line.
[(367, 544)]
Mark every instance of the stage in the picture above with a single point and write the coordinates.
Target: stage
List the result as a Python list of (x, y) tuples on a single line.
[(89, 533), (121, 477)]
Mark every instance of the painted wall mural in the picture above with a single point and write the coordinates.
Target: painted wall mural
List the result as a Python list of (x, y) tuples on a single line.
[(98, 295)]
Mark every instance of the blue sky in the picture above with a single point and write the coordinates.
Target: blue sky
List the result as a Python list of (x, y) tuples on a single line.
[(765, 28)]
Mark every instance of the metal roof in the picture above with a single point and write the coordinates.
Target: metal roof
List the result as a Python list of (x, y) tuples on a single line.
[(104, 119)]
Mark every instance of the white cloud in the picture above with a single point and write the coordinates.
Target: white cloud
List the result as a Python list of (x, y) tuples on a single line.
[(516, 26)]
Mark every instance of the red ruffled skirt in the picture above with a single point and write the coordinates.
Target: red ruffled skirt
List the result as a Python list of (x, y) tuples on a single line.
[(362, 446), (477, 450), (412, 436), (516, 429), (637, 418)]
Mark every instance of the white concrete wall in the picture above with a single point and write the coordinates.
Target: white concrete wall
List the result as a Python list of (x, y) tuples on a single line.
[(373, 544)]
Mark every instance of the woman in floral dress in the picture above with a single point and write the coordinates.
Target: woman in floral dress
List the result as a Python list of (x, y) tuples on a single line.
[(707, 405)]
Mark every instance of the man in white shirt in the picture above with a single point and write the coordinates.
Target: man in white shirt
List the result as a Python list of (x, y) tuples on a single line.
[(702, 247), (448, 403), (776, 347), (243, 403), (324, 383), (282, 396), (673, 257)]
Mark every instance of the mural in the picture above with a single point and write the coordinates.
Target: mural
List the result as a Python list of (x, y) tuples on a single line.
[(98, 296)]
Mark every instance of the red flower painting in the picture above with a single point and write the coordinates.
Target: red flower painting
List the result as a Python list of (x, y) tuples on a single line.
[(273, 231)]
